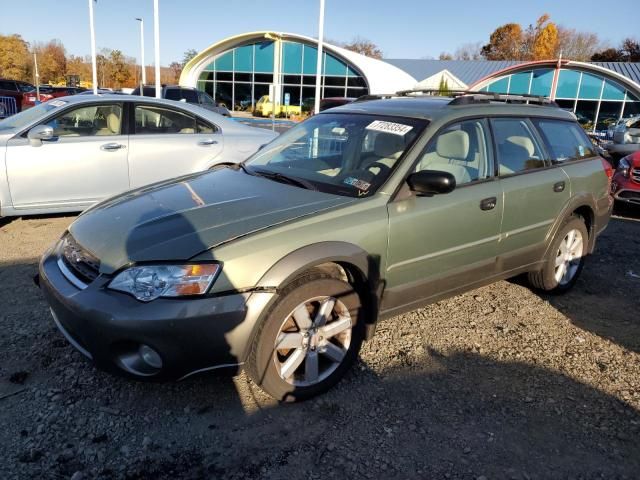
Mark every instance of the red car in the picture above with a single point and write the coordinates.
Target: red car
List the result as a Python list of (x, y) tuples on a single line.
[(626, 181)]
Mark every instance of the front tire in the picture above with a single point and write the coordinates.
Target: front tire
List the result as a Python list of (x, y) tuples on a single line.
[(565, 259), (308, 340)]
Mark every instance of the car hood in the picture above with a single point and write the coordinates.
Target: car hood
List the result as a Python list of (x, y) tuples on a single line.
[(177, 219)]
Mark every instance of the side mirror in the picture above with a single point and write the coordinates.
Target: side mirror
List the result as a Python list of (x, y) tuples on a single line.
[(431, 182), (39, 133)]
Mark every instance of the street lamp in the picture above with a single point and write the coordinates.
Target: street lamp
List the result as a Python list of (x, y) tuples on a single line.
[(144, 72), (156, 46), (319, 64), (93, 49)]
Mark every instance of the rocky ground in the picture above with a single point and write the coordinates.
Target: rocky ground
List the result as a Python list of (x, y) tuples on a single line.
[(496, 383)]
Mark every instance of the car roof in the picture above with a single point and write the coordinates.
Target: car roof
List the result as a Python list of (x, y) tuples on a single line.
[(434, 108)]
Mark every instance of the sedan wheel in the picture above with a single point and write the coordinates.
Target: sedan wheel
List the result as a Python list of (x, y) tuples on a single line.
[(569, 257)]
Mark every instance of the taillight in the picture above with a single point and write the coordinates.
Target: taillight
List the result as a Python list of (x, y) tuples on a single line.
[(608, 169)]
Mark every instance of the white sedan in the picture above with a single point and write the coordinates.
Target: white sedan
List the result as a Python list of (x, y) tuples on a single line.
[(68, 153)]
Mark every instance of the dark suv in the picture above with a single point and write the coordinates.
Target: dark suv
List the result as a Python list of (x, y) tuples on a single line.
[(184, 94)]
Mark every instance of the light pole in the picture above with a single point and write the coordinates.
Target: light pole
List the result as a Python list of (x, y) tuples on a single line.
[(156, 46), (93, 49), (319, 64), (144, 71), (37, 75)]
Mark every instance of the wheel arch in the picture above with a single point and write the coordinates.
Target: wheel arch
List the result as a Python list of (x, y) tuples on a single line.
[(583, 206)]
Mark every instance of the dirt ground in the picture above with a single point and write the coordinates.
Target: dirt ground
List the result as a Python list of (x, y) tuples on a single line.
[(496, 383)]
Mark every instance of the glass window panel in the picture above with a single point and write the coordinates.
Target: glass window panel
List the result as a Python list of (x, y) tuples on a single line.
[(333, 66), (263, 77), (351, 72), (103, 120), (632, 97), (586, 113), (206, 76), (520, 83), (309, 79), (356, 92), (612, 91), (224, 76), (631, 109), (541, 82), (223, 94), (242, 96), (499, 86), (566, 141), (225, 61), (155, 120), (260, 91), (264, 57), (242, 77), (292, 79), (609, 114), (333, 92), (211, 66), (590, 87), (244, 58), (517, 147), (292, 58), (310, 60), (568, 84), (566, 104), (294, 92), (356, 82), (335, 81)]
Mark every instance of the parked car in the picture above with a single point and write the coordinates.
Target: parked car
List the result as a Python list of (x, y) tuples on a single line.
[(264, 108), (57, 92), (184, 94), (20, 91), (285, 263), (626, 137), (626, 181), (68, 153), (331, 102)]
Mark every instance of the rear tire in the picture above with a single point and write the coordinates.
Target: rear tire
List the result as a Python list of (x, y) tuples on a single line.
[(308, 340), (565, 259)]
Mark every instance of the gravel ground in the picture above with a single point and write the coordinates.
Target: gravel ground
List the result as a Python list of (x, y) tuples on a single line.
[(496, 383)]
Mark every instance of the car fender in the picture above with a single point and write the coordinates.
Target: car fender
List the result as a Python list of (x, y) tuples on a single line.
[(580, 201)]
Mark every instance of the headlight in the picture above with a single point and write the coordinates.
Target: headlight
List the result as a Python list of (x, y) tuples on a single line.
[(148, 282), (623, 167)]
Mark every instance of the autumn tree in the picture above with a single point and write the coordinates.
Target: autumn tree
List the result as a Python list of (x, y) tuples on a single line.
[(575, 45), (445, 56), (364, 47), (176, 70), (628, 51), (120, 73), (505, 43), (545, 39), (15, 59), (52, 61)]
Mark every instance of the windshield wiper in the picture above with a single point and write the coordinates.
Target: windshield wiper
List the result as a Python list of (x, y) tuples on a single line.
[(280, 177)]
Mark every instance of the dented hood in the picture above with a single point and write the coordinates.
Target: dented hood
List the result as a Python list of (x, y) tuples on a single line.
[(177, 219)]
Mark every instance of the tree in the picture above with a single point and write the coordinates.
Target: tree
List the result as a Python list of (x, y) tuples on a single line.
[(120, 73), (575, 45), (188, 55), (545, 40), (15, 60), (468, 51), (176, 70), (607, 55), (630, 50), (505, 43), (364, 47), (445, 56), (52, 61), (443, 87)]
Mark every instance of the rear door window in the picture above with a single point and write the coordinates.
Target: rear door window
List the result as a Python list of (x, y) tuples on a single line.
[(566, 140), (159, 120), (191, 96), (516, 145)]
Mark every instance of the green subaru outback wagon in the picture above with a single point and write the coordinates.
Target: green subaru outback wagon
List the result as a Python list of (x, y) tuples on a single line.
[(284, 264)]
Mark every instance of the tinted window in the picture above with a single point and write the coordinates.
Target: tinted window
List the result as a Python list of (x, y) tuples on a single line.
[(102, 120), (172, 94), (460, 149), (517, 147), (205, 99), (203, 127), (191, 96), (25, 87), (7, 85), (566, 140), (152, 120)]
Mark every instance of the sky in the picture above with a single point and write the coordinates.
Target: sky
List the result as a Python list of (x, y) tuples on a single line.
[(401, 28)]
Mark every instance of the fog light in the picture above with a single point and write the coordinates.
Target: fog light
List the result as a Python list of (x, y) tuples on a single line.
[(150, 356)]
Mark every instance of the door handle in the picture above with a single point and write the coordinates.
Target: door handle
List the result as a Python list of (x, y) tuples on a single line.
[(110, 147), (488, 203), (207, 142), (558, 187)]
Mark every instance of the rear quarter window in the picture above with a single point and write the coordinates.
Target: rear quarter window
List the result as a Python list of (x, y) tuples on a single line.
[(566, 141)]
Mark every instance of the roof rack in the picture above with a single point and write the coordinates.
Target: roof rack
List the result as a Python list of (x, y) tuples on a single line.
[(466, 97)]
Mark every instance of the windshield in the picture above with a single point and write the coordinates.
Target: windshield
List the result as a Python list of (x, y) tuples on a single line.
[(344, 154), (29, 116)]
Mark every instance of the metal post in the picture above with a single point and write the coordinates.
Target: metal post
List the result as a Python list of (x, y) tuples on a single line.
[(144, 70), (319, 64), (156, 46), (93, 50), (37, 75)]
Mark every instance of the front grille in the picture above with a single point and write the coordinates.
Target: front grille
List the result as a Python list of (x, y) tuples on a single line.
[(79, 261), (635, 174)]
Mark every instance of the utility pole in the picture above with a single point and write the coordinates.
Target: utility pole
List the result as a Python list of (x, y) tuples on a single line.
[(156, 38), (37, 75), (319, 64), (93, 49)]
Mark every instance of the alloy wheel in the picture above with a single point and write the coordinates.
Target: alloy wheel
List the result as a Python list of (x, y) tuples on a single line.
[(569, 257), (312, 341)]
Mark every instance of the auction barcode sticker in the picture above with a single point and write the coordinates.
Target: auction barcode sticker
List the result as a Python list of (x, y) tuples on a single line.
[(389, 127)]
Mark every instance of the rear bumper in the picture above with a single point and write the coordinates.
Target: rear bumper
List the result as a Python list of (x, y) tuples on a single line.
[(114, 329)]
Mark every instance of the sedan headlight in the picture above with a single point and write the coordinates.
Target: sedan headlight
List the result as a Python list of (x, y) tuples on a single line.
[(148, 282)]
